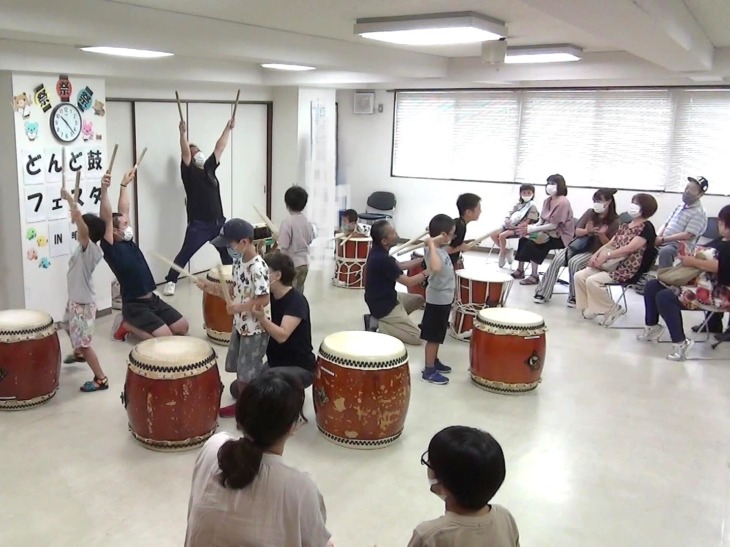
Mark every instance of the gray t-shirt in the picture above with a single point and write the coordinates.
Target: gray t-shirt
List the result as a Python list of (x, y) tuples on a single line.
[(295, 236), (81, 267), (441, 284)]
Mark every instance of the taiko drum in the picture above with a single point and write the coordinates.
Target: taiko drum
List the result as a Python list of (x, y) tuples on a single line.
[(350, 262), (477, 289), (507, 350), (415, 270), (218, 322), (361, 390), (30, 359), (172, 393)]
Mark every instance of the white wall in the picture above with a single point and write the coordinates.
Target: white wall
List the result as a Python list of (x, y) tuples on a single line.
[(365, 143)]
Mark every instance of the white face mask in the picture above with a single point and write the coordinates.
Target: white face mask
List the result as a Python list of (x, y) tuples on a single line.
[(599, 207), (199, 159), (527, 197), (128, 233), (634, 210), (434, 482), (551, 189)]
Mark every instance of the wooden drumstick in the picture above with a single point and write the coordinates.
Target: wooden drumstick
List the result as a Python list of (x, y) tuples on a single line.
[(224, 284), (478, 240), (235, 105), (141, 157), (178, 269), (410, 249), (268, 221), (76, 188), (111, 161), (410, 242), (179, 106)]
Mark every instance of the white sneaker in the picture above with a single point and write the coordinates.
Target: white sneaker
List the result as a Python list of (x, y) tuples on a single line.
[(589, 314), (610, 318), (651, 334), (502, 260), (169, 289), (679, 351)]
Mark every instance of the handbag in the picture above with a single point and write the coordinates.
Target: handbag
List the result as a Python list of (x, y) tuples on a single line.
[(612, 263), (678, 276), (581, 244)]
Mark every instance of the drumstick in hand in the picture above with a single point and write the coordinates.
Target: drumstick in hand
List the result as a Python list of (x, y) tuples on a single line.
[(411, 248), (267, 220), (141, 157), (410, 242), (182, 271), (76, 188), (224, 284), (111, 162), (179, 106), (235, 105)]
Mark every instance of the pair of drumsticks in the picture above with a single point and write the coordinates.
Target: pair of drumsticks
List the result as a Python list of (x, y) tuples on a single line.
[(179, 105), (418, 242), (185, 273)]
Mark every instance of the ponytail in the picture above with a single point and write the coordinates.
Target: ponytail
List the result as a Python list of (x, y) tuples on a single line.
[(239, 462)]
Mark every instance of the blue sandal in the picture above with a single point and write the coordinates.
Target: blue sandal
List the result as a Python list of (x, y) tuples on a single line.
[(97, 384)]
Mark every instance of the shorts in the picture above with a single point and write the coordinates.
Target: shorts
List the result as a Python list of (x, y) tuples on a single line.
[(246, 355), (435, 322), (79, 320), (149, 314)]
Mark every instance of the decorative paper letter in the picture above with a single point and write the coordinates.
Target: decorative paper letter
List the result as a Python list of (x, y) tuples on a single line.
[(59, 237), (57, 207), (32, 162), (36, 204), (54, 164)]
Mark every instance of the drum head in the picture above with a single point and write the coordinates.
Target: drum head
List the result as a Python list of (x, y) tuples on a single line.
[(360, 238), (227, 273), (483, 274), (511, 317), (361, 349), (21, 324), (172, 357)]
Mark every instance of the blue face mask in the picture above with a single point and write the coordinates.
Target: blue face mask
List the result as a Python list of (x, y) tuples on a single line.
[(234, 254)]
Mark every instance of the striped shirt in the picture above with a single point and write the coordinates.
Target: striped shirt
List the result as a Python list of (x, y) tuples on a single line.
[(692, 219)]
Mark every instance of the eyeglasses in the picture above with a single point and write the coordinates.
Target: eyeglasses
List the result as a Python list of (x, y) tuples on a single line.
[(424, 461)]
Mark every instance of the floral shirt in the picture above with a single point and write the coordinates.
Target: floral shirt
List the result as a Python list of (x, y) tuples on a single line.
[(710, 289), (251, 279), (630, 265)]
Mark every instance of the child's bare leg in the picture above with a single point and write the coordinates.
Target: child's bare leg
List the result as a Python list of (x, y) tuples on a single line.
[(93, 360), (503, 240), (432, 352)]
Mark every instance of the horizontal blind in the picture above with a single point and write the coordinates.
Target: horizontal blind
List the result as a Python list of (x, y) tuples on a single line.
[(456, 135), (702, 139)]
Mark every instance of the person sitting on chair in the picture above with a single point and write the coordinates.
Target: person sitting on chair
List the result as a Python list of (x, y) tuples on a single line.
[(389, 307), (349, 224)]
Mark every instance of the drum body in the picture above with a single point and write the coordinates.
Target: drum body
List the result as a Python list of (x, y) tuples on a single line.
[(30, 359), (172, 393), (350, 262), (218, 322), (507, 350), (476, 290), (261, 231), (420, 288), (361, 390)]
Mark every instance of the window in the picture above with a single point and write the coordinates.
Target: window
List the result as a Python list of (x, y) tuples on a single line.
[(645, 139)]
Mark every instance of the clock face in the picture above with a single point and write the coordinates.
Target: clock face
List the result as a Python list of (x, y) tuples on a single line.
[(66, 122)]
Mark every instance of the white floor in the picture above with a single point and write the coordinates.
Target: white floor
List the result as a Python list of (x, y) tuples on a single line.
[(617, 447)]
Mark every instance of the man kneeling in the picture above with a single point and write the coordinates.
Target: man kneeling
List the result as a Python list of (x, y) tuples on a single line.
[(144, 314)]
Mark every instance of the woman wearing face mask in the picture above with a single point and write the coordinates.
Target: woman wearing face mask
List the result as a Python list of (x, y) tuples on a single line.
[(554, 230), (242, 491), (595, 228), (524, 212), (466, 468), (616, 262), (711, 287)]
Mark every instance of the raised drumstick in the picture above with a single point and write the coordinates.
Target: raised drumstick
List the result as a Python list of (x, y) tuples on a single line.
[(178, 269), (179, 106), (410, 242), (141, 157), (111, 162), (76, 188), (407, 250), (235, 105), (224, 284), (267, 220)]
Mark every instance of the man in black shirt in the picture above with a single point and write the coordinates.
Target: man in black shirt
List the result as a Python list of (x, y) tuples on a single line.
[(390, 307), (203, 200), (143, 312)]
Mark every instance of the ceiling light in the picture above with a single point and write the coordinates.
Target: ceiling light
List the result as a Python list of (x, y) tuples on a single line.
[(436, 29), (561, 53), (127, 52), (292, 68)]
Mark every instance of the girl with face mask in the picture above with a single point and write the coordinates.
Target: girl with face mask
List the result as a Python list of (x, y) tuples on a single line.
[(523, 212), (595, 228), (465, 467)]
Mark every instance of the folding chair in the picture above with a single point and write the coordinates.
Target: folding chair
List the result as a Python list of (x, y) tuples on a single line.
[(647, 262), (723, 337), (384, 205)]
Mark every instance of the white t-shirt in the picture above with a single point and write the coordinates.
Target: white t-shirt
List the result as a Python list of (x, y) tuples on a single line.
[(250, 280), (281, 507), (495, 529)]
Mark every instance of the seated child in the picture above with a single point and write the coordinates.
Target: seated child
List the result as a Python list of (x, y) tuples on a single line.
[(350, 224), (466, 468), (524, 212)]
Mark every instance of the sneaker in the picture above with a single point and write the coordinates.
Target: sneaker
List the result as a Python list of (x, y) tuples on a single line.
[(169, 289), (119, 333), (539, 299), (570, 303), (651, 334), (589, 314), (433, 376), (443, 369), (502, 260), (610, 318), (679, 351), (228, 411)]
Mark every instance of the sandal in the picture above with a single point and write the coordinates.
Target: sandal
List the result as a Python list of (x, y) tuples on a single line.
[(518, 274), (97, 384), (532, 280), (72, 358)]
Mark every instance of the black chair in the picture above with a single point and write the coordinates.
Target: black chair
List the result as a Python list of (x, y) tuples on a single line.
[(646, 263), (384, 202), (712, 231), (625, 218)]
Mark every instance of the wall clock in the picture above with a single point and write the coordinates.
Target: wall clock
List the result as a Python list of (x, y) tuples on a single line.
[(66, 122)]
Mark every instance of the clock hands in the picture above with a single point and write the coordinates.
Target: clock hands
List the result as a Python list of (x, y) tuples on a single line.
[(67, 124)]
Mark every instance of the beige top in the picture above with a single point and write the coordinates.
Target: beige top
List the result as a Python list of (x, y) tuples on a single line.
[(495, 529), (295, 236), (281, 507)]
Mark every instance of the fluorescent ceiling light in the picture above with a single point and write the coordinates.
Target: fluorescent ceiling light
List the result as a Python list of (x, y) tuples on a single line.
[(292, 68), (438, 29), (127, 52), (561, 53)]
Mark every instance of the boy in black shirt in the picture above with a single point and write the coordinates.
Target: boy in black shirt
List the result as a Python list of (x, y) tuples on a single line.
[(470, 207)]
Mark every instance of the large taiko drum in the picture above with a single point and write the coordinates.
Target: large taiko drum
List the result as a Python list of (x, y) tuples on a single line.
[(477, 289), (172, 393), (217, 321), (507, 350), (420, 288), (30, 359), (350, 262), (361, 390)]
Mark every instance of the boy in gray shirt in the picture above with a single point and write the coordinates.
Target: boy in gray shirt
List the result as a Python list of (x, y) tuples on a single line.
[(439, 296), (296, 234), (81, 308)]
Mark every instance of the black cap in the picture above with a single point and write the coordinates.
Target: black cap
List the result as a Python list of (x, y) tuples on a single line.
[(701, 182), (235, 229)]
